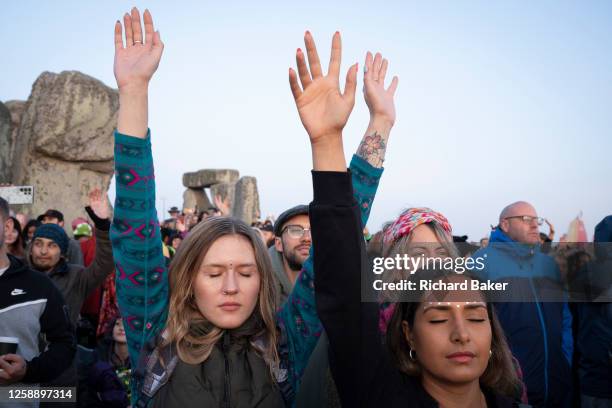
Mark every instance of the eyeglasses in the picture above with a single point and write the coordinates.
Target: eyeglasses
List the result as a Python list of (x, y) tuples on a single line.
[(296, 231), (527, 219)]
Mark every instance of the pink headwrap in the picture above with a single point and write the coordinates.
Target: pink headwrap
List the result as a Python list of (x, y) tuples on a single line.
[(404, 225), (412, 218)]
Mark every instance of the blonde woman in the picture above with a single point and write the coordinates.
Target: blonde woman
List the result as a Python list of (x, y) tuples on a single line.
[(206, 332)]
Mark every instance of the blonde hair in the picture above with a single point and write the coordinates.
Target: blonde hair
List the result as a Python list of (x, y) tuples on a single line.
[(195, 346)]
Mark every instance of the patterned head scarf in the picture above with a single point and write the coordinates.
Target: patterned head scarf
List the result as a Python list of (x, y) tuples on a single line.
[(412, 218)]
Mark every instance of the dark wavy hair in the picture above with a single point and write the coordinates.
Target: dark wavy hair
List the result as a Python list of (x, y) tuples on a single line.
[(500, 374)]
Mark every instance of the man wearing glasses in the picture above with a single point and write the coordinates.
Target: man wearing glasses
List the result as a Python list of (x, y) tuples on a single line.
[(537, 327), (291, 247)]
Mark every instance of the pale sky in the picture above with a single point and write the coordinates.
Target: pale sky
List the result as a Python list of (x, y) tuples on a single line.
[(497, 102)]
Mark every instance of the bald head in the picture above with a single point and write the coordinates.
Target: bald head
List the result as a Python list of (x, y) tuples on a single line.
[(516, 209), (513, 225)]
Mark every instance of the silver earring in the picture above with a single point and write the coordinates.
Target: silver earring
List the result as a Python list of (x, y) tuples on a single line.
[(410, 354), (490, 353)]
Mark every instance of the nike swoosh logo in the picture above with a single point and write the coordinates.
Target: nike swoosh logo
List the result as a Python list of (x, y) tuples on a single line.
[(16, 292)]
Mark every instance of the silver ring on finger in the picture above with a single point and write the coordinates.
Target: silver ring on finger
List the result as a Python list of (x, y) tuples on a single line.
[(137, 42)]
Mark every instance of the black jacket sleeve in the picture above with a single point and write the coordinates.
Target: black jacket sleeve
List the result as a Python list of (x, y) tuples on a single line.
[(340, 263), (59, 333)]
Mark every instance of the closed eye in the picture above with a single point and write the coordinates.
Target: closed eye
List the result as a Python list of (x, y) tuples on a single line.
[(438, 321)]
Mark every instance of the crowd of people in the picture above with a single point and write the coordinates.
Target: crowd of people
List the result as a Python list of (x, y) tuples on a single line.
[(201, 309)]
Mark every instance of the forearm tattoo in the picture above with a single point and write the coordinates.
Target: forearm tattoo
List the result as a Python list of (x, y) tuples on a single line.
[(372, 149)]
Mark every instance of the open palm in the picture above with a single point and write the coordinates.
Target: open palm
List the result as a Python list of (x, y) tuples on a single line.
[(323, 109), (379, 100), (137, 61), (99, 204)]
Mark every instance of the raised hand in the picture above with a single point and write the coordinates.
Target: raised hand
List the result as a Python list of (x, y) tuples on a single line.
[(223, 205), (138, 59), (323, 108), (379, 100), (99, 204), (135, 64)]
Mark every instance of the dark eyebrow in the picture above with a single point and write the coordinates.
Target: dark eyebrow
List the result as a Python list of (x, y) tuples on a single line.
[(218, 265), (470, 306)]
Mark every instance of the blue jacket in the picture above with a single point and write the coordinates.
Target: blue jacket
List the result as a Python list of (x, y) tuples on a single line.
[(539, 333), (594, 338)]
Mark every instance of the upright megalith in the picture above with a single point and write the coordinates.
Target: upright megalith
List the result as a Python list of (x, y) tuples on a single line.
[(239, 193), (64, 145)]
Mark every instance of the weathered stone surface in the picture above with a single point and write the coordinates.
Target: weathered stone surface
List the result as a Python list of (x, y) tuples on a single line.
[(193, 198), (224, 190), (64, 146), (6, 145), (208, 177), (70, 115), (17, 108), (246, 200)]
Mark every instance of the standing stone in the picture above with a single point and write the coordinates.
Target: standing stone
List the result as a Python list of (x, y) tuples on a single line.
[(193, 198), (17, 108), (6, 145), (208, 177), (64, 146), (246, 200)]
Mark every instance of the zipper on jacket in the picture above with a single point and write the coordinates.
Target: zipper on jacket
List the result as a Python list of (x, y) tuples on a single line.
[(545, 334), (227, 389)]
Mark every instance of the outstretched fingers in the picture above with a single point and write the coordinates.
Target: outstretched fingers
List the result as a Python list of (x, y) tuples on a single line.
[(351, 84), (118, 36), (367, 67), (136, 26), (393, 87), (376, 66), (383, 71), (300, 59), (129, 35), (313, 55), (293, 83), (336, 56), (149, 29)]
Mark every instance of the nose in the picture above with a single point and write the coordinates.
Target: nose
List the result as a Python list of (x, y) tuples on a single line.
[(459, 333), (230, 283), (307, 237)]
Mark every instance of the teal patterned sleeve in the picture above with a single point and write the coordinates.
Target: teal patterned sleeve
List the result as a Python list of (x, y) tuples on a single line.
[(297, 319), (141, 273)]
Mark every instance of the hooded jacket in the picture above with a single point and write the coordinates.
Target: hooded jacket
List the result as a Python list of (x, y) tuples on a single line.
[(594, 339), (30, 306), (538, 332)]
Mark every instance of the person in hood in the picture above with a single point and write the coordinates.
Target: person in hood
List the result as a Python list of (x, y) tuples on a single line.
[(539, 329), (31, 306)]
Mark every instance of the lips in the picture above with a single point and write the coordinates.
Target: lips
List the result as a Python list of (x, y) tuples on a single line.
[(461, 356), (230, 306)]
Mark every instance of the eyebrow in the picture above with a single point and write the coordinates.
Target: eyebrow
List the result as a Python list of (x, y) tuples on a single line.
[(469, 306), (219, 265)]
